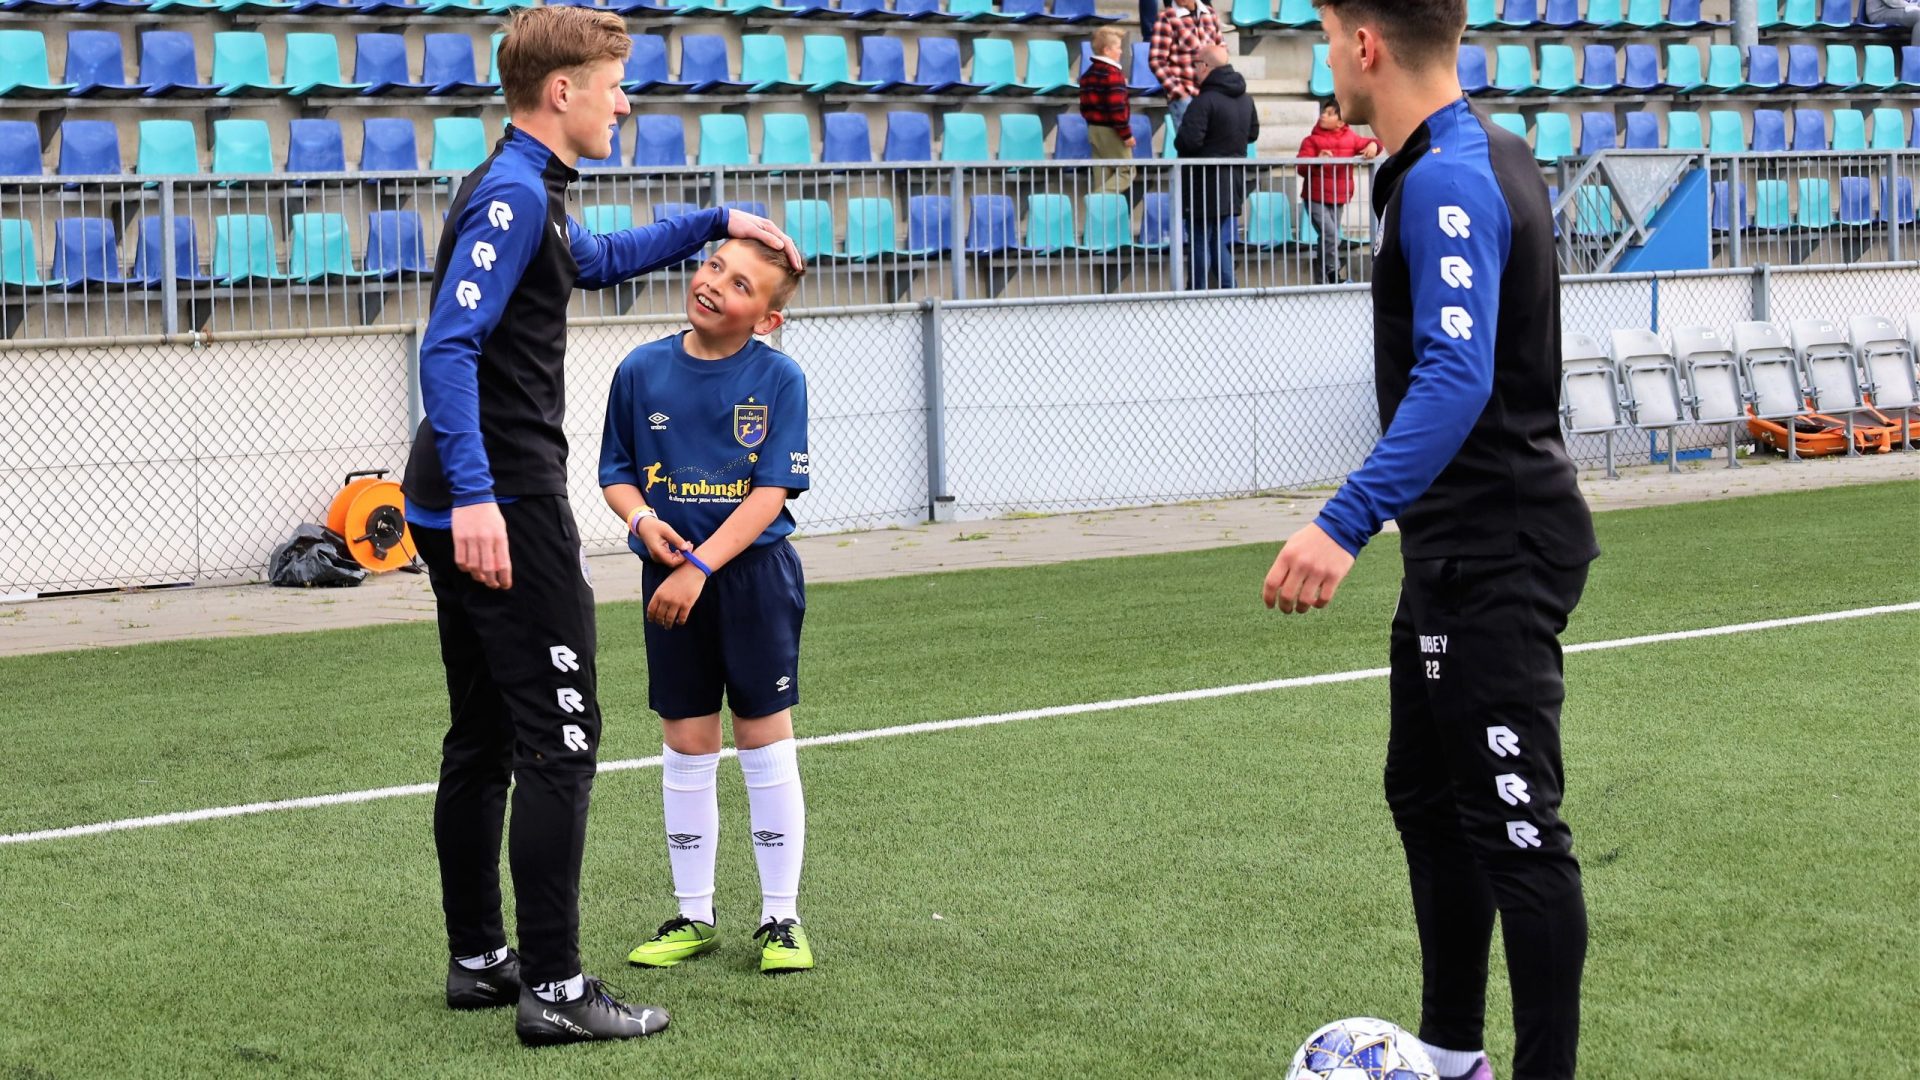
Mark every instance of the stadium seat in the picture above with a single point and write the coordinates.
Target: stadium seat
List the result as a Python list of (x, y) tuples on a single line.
[(883, 65), (1809, 130), (313, 67), (1048, 70), (1070, 139), (1886, 360), (1141, 80), (764, 65), (1320, 82), (1849, 129), (24, 71), (659, 139), (909, 138), (240, 65), (448, 67), (723, 140), (993, 67), (1769, 131), (1269, 220), (20, 148), (1816, 203), (1021, 138), (387, 144), (1772, 370), (1597, 132), (1050, 225), (1727, 133), (1910, 67), (1832, 371), (1889, 129), (1843, 68), (601, 219), (1109, 224), (846, 138), (704, 68), (315, 146), (1251, 14), (319, 250), (1589, 388), (1684, 75), (810, 223), (1763, 69), (1724, 69), (88, 148), (921, 11), (1712, 377), (1563, 13), (1513, 122), (646, 70), (1837, 14), (1080, 12), (785, 139), (1685, 15), (1142, 127), (963, 137), (1156, 222), (459, 144), (1725, 208), (396, 245), (1856, 201), (1556, 70), (243, 250), (991, 225), (167, 148), (169, 66), (1772, 206), (1643, 131), (1684, 133), (1879, 72), (1649, 383), (1471, 67), (1803, 68), (242, 146), (937, 68), (1298, 14), (824, 65), (612, 160), (1596, 214), (1513, 70), (977, 11), (97, 65), (1599, 70), (380, 62), (150, 260), (19, 261), (872, 230), (86, 252), (929, 225), (1553, 136), (1643, 69)]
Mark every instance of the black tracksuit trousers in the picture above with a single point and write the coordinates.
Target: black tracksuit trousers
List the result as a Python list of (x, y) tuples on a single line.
[(520, 675), (1474, 781)]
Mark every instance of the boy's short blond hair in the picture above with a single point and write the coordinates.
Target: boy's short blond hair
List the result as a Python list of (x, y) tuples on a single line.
[(1108, 37), (543, 40), (790, 281)]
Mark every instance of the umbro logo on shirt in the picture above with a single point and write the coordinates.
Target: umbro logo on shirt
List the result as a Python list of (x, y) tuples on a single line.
[(659, 421)]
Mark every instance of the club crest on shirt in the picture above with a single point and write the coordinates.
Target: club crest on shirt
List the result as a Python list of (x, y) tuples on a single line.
[(750, 424)]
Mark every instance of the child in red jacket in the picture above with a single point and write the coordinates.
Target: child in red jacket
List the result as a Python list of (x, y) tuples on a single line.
[(1328, 188)]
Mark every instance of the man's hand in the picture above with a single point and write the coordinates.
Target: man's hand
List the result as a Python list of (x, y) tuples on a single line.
[(673, 601), (1306, 573), (1130, 141), (662, 542), (1372, 151), (744, 226), (480, 544)]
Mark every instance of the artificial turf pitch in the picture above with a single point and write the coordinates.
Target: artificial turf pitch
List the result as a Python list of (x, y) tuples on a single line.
[(1178, 890)]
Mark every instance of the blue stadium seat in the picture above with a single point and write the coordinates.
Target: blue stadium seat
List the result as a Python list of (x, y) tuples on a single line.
[(1563, 13), (1156, 222), (1141, 80), (1910, 65), (1803, 67), (1142, 126), (1896, 203), (86, 252), (1472, 68), (97, 66), (89, 148), (909, 138), (150, 260), (1769, 131), (846, 137), (1643, 69), (991, 225), (1809, 130), (646, 71), (1685, 14), (24, 69), (929, 225), (928, 11), (397, 245), (883, 64), (1643, 131), (1598, 132), (1856, 201), (937, 68), (315, 146), (20, 148), (659, 140), (704, 67), (1724, 208), (387, 144), (1599, 70), (380, 61), (612, 160), (1837, 14), (1070, 139), (448, 67), (1763, 68), (169, 66)]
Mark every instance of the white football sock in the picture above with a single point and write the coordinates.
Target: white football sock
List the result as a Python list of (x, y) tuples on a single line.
[(490, 958), (565, 990), (692, 807), (1452, 1062), (779, 815)]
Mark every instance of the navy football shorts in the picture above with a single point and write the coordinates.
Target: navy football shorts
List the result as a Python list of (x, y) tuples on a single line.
[(741, 639)]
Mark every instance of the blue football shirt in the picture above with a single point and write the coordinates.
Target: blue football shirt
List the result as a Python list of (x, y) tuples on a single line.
[(696, 435)]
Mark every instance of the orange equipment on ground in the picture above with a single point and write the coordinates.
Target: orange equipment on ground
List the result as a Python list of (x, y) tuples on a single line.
[(370, 513)]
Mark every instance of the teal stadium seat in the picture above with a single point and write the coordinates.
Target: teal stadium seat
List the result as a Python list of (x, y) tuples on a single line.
[(1050, 226), (993, 67), (24, 70), (1513, 70), (601, 219), (1889, 129), (243, 250), (1250, 14), (764, 64), (1816, 203), (459, 144), (319, 250), (19, 261), (1048, 69), (1513, 122), (1557, 74), (1022, 137), (167, 148), (1726, 133), (963, 137), (1269, 220), (1553, 137), (872, 230), (1109, 224), (1320, 83), (1298, 14), (785, 139), (240, 65), (1849, 129), (1684, 73), (810, 223), (313, 67), (242, 147), (723, 140), (1684, 132)]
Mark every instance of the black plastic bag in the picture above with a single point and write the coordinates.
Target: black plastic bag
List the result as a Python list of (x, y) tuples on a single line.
[(316, 557)]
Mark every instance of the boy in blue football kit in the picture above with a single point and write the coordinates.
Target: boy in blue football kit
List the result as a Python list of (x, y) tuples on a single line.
[(705, 441)]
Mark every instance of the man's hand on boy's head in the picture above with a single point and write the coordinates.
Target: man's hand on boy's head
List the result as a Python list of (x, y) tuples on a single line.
[(673, 601), (744, 226)]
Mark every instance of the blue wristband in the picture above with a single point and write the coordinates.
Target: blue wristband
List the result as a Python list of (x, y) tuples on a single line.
[(697, 564)]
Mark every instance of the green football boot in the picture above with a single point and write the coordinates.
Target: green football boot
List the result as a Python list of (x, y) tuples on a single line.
[(679, 938), (783, 947)]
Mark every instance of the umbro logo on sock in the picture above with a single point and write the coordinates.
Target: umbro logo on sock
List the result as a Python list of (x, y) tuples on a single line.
[(766, 839), (682, 840)]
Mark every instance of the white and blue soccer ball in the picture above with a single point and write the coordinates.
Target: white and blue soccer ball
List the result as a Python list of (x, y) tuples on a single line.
[(1361, 1048)]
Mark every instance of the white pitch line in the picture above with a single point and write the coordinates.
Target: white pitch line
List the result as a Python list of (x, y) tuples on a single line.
[(348, 797)]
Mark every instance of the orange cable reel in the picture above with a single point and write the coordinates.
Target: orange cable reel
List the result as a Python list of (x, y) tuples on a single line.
[(370, 514)]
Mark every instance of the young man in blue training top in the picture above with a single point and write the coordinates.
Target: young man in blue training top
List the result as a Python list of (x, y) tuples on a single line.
[(486, 500), (706, 440), (1494, 536)]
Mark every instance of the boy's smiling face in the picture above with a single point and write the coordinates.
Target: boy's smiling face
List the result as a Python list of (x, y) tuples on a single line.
[(732, 295)]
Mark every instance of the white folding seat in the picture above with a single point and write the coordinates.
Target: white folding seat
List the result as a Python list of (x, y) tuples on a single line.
[(1589, 391), (1772, 371), (1714, 390), (1887, 368), (1649, 385), (1827, 361)]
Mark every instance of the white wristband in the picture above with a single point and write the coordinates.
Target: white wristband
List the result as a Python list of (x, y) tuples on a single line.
[(634, 520)]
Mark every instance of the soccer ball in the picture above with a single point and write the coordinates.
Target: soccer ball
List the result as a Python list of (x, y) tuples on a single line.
[(1361, 1049)]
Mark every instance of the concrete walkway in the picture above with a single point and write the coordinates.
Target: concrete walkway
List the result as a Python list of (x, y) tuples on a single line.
[(129, 618)]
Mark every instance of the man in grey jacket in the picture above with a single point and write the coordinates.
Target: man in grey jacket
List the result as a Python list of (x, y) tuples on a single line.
[(1896, 13)]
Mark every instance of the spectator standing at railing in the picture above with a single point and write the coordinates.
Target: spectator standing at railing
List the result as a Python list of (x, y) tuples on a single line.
[(1327, 189), (1896, 13), (1103, 105), (1182, 30), (1221, 124)]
